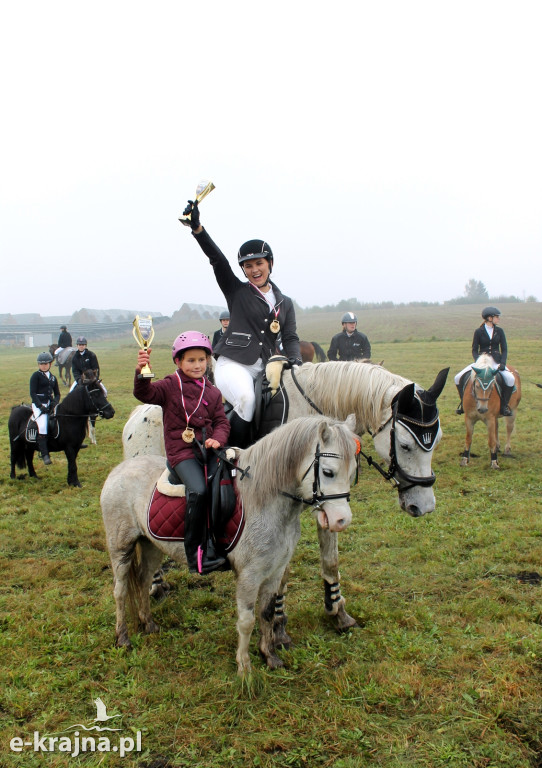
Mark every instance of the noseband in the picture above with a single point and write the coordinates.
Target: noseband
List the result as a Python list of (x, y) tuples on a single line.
[(317, 496), (395, 473)]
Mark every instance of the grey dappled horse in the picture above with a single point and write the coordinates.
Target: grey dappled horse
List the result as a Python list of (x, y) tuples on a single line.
[(308, 462)]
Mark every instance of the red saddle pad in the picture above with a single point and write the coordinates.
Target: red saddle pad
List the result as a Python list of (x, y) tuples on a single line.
[(165, 519)]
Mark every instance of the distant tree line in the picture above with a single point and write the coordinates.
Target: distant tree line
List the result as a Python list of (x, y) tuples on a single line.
[(475, 293)]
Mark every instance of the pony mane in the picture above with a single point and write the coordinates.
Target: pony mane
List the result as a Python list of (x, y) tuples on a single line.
[(484, 361), (284, 449), (340, 388)]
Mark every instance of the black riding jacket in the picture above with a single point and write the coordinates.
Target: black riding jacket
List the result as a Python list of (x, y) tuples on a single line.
[(44, 389), (84, 361), (248, 337), (65, 340), (216, 337), (354, 347), (496, 346)]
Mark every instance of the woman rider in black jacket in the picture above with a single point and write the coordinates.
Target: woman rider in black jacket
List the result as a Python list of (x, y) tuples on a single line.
[(258, 313), (490, 340)]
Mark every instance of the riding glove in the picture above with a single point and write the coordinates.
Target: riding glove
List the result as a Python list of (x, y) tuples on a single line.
[(193, 210)]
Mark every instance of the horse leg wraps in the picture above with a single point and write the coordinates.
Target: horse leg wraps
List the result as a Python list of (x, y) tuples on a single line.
[(332, 597)]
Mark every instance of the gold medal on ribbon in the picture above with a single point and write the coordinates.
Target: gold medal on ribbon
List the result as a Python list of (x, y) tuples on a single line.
[(275, 326), (189, 435)]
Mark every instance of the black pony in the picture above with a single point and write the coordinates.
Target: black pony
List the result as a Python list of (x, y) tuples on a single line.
[(86, 399)]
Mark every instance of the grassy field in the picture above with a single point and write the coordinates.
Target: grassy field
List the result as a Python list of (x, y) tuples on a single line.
[(445, 669)]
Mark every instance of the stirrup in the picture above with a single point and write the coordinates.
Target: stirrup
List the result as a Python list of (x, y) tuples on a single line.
[(460, 410), (506, 410)]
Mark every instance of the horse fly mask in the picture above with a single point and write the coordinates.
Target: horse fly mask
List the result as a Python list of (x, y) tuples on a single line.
[(424, 432)]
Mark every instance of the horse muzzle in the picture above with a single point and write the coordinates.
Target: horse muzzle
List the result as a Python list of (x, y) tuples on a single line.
[(334, 519)]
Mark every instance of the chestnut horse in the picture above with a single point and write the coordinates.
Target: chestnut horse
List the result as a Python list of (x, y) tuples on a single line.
[(309, 349), (482, 402)]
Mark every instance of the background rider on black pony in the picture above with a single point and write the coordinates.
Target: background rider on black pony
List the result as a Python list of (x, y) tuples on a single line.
[(350, 344), (489, 339), (259, 312), (45, 396)]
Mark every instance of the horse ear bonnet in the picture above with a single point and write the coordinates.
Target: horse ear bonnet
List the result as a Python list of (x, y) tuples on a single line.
[(418, 413)]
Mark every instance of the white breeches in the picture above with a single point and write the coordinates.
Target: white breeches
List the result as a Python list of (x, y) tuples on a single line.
[(507, 375), (41, 419), (236, 382)]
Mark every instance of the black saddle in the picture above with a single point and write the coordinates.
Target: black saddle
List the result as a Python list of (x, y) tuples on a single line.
[(271, 410), (220, 474)]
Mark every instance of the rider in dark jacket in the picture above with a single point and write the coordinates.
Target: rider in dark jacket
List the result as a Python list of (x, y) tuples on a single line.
[(489, 339), (45, 396), (259, 312), (64, 338), (84, 360), (350, 344)]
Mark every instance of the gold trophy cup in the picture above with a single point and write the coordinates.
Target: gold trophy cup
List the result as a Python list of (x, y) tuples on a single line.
[(144, 334), (202, 190)]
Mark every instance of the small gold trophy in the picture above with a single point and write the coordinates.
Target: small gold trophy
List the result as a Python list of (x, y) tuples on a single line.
[(144, 334), (202, 190)]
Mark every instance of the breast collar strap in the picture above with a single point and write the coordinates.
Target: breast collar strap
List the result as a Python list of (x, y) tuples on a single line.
[(317, 496)]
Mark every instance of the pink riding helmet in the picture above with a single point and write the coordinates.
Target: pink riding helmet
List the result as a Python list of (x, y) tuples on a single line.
[(190, 340)]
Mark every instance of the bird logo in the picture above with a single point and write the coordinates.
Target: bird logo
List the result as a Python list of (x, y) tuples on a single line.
[(101, 712)]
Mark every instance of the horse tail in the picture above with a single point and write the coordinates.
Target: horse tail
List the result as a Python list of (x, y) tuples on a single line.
[(16, 430), (134, 582), (319, 352)]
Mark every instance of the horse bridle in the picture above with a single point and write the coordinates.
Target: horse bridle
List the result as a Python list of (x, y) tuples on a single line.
[(485, 387), (99, 411), (317, 496), (395, 473), (394, 467)]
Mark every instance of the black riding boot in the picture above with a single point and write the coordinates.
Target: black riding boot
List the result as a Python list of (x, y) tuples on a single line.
[(201, 557), (506, 394), (44, 449), (460, 410), (240, 432)]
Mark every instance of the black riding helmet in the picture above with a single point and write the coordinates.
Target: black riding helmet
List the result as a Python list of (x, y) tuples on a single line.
[(490, 312), (45, 357), (255, 249)]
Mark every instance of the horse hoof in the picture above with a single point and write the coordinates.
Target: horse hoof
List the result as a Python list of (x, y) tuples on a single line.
[(150, 628), (494, 465), (464, 463), (273, 661)]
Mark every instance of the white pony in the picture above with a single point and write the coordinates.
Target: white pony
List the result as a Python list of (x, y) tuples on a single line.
[(308, 462)]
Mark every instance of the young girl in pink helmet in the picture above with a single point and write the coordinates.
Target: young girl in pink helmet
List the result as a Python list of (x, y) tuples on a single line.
[(192, 412)]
